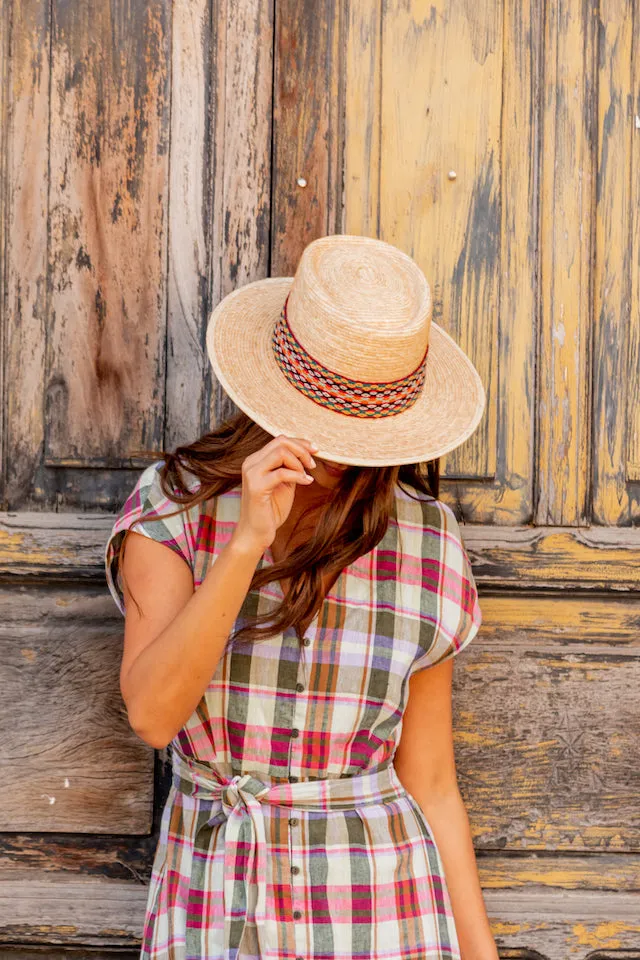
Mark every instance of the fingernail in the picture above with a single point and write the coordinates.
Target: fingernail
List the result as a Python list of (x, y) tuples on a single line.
[(313, 463), (314, 446), (307, 477)]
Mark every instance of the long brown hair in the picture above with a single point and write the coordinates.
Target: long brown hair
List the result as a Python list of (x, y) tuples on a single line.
[(353, 519)]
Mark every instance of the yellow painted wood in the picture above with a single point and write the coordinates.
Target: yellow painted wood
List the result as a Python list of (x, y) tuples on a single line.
[(567, 183), (633, 420), (550, 557), (616, 453), (546, 725), (362, 145), (440, 112), (609, 872), (434, 88)]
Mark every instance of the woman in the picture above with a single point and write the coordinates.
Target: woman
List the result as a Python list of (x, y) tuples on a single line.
[(279, 645)]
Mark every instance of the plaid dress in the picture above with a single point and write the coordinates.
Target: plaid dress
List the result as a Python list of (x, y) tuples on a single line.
[(287, 833)]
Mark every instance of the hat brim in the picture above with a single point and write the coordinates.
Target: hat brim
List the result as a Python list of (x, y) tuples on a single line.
[(239, 348)]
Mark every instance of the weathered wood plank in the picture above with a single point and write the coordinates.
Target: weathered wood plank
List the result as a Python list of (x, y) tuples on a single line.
[(69, 759), (59, 910), (582, 558), (616, 362), (481, 122), (6, 17), (631, 109), (604, 872), (71, 546), (18, 952), (362, 146), (571, 622), (563, 925), (240, 180), (441, 72), (307, 129), (546, 726), (509, 498), (556, 925), (188, 383), (567, 181), (25, 226), (109, 158)]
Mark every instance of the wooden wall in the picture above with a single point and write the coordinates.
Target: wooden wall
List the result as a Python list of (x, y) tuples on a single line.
[(153, 156)]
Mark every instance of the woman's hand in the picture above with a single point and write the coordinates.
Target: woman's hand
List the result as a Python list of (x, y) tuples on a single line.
[(269, 479)]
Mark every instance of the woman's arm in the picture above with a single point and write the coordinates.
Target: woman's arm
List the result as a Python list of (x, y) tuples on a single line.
[(425, 763), (172, 648)]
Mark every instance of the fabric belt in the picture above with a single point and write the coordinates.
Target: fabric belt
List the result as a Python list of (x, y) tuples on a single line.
[(238, 800)]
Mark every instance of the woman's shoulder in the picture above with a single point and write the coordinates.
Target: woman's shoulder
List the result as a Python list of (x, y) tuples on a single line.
[(421, 512), (416, 506), (151, 510)]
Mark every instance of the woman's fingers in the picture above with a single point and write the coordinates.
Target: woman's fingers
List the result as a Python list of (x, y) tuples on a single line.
[(283, 475), (279, 446)]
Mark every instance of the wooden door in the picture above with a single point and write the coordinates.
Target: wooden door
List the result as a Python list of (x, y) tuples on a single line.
[(153, 157)]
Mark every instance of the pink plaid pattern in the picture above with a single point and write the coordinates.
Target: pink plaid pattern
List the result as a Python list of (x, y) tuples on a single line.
[(339, 862)]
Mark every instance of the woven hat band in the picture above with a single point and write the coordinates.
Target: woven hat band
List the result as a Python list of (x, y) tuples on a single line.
[(355, 398)]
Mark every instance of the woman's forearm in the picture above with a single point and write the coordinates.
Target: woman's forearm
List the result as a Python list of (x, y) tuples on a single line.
[(447, 817), (167, 679)]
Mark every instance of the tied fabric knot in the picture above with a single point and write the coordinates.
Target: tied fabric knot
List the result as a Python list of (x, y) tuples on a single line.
[(236, 803)]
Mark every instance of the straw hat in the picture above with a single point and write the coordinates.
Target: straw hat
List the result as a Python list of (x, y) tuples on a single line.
[(345, 354)]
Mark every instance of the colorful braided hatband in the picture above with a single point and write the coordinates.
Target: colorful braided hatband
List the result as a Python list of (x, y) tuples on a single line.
[(354, 398)]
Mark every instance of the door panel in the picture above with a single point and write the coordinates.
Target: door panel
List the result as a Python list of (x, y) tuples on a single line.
[(152, 161)]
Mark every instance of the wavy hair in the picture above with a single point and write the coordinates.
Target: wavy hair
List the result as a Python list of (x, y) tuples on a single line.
[(353, 518)]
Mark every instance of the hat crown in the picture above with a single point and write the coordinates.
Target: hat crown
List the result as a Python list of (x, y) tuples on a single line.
[(361, 307)]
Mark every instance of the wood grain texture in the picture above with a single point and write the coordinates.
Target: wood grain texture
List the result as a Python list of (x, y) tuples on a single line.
[(441, 74), (241, 166), (109, 154), (20, 952), (457, 89), (70, 761), (25, 261), (630, 107), (188, 382), (6, 15), (616, 373), (566, 925), (583, 558), (556, 925), (64, 546), (546, 725), (63, 910), (566, 197), (535, 871), (307, 128), (362, 144)]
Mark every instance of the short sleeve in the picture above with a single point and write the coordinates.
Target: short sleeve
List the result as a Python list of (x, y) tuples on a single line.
[(450, 609), (178, 532)]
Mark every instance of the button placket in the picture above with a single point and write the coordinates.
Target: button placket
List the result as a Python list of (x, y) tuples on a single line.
[(295, 762), (298, 720)]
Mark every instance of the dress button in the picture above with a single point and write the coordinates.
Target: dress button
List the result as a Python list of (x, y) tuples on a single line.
[(295, 870), (295, 732), (299, 687), (293, 821), (297, 914), (306, 641), (293, 779)]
